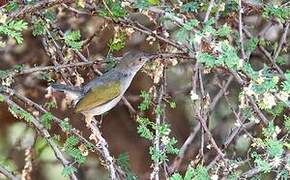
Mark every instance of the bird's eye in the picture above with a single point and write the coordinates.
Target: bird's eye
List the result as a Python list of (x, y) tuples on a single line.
[(140, 59)]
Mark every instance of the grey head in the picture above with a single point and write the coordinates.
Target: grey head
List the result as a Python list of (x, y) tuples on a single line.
[(132, 61)]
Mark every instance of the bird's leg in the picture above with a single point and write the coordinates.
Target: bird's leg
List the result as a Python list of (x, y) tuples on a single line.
[(101, 120)]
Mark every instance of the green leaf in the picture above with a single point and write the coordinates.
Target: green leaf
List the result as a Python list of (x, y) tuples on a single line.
[(228, 56), (250, 45), (145, 105), (189, 173), (72, 39), (123, 162), (190, 7), (270, 130), (224, 31), (11, 6), (118, 42), (172, 105), (13, 29), (76, 154), (176, 176), (157, 155), (143, 128), (2, 98), (71, 141), (19, 113), (281, 13), (115, 8), (68, 170), (65, 125), (201, 173), (153, 2), (261, 163), (46, 119), (275, 148), (38, 28), (206, 59)]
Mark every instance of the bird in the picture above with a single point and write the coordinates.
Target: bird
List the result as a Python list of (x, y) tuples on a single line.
[(104, 92)]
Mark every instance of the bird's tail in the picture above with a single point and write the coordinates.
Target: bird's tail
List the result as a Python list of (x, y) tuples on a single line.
[(74, 92)]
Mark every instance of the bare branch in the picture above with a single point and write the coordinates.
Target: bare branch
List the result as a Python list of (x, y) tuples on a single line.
[(45, 134), (9, 174)]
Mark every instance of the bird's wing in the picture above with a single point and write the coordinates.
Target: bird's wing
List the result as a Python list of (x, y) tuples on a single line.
[(99, 95)]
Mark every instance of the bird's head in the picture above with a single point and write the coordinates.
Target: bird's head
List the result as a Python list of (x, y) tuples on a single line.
[(133, 60)]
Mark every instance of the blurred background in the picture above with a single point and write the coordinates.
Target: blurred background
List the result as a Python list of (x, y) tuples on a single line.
[(119, 128)]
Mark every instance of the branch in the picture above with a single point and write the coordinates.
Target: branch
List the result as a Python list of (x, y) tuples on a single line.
[(156, 169), (204, 126), (55, 68), (45, 134), (102, 145), (29, 9), (241, 29), (9, 174), (257, 169), (282, 41), (210, 6)]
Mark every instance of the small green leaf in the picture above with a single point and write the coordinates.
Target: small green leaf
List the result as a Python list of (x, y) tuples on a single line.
[(46, 119), (19, 113), (153, 2), (72, 39), (224, 31), (145, 105), (68, 170), (2, 98), (176, 176), (189, 173), (13, 29), (38, 28), (64, 124), (11, 6)]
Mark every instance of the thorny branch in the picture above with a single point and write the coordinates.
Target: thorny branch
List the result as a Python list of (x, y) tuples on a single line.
[(9, 174), (45, 134)]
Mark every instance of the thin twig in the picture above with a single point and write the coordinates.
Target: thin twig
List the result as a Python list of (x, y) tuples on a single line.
[(156, 169), (283, 40), (241, 30), (184, 148), (55, 68), (29, 9), (43, 132), (210, 6), (9, 174), (256, 170), (204, 126)]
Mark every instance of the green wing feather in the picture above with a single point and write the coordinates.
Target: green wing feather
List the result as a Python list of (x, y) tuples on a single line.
[(99, 95)]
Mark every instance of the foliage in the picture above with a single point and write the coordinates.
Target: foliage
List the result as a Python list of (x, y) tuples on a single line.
[(145, 105), (123, 162), (146, 130), (113, 8), (281, 13), (72, 39), (198, 173), (208, 51), (20, 113), (118, 42), (46, 120), (13, 29), (11, 6), (38, 28), (68, 170), (72, 150)]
